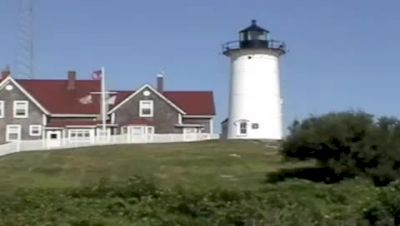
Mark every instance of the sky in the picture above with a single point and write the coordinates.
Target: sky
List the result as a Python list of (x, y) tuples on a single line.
[(343, 54)]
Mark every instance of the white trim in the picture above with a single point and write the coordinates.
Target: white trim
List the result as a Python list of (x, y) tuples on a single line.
[(32, 128), (44, 123), (198, 116), (179, 118), (211, 126), (25, 107), (2, 108), (18, 127), (9, 78), (154, 91), (44, 119), (112, 118), (141, 107)]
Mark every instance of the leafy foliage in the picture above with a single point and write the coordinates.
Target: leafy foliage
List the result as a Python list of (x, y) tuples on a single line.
[(349, 143), (140, 202)]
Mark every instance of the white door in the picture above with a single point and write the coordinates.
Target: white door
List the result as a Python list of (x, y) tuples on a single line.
[(53, 138)]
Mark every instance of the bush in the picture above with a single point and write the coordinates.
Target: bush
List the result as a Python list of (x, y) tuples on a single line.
[(299, 203), (385, 210), (350, 143)]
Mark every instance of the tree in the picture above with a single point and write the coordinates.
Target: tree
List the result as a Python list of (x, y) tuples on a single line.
[(349, 143)]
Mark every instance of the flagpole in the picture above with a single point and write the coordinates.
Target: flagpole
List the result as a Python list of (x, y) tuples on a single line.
[(103, 101)]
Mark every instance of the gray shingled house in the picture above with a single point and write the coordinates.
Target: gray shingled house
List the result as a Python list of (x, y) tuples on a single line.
[(70, 108)]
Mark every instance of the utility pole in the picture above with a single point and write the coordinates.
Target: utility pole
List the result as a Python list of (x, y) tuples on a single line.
[(25, 54)]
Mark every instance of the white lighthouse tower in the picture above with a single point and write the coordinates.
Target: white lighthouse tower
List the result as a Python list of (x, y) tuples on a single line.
[(255, 102)]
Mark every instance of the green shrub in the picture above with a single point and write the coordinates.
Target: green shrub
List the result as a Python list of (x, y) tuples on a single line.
[(349, 143), (299, 203), (385, 210)]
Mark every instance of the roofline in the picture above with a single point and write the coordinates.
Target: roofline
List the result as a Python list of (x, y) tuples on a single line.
[(75, 115), (189, 125), (25, 92), (198, 116), (153, 90)]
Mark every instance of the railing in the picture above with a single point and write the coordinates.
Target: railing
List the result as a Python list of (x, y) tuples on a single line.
[(42, 145), (271, 44)]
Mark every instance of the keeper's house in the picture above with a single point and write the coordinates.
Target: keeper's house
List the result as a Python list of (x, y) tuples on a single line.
[(55, 109)]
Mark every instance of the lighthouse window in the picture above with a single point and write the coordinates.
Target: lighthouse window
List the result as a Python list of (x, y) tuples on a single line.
[(255, 126), (257, 35), (243, 128)]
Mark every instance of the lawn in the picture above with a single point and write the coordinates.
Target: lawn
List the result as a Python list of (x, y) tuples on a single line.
[(201, 165)]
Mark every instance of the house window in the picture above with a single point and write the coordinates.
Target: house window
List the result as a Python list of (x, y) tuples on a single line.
[(243, 128), (100, 132), (1, 109), (150, 130), (35, 130), (190, 130), (13, 133), (124, 130), (21, 109), (146, 108), (79, 134)]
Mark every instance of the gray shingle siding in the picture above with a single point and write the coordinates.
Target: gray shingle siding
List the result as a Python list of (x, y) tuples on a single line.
[(34, 116), (202, 121), (165, 117)]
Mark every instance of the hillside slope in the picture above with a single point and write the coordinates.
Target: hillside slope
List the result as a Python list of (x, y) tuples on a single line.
[(197, 165)]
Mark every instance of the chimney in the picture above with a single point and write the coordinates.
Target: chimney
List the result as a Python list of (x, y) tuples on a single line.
[(160, 82), (71, 80), (5, 73)]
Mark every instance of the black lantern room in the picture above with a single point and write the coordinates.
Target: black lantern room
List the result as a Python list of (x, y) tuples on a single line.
[(254, 37)]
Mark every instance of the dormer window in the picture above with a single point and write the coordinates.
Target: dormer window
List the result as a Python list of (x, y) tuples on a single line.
[(146, 108), (21, 109)]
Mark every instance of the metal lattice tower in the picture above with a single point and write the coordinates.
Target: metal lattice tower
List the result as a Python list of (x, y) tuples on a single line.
[(25, 54)]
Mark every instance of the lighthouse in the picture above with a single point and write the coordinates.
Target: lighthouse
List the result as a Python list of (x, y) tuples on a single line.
[(255, 101)]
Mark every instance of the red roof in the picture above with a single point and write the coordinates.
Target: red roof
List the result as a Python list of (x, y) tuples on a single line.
[(63, 123), (54, 96), (193, 102)]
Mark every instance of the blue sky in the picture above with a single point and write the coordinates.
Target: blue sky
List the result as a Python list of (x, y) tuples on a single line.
[(343, 54)]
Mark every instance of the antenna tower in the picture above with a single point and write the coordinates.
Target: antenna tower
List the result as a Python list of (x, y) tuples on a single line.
[(25, 55)]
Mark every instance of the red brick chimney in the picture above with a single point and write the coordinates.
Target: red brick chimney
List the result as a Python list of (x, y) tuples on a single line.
[(71, 80), (160, 82), (5, 73)]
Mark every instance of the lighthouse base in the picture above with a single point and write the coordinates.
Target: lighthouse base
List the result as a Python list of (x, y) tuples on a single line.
[(243, 131)]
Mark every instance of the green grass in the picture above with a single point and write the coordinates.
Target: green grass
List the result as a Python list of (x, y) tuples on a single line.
[(193, 165)]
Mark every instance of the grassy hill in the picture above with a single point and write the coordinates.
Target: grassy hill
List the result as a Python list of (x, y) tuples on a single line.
[(195, 165), (222, 183)]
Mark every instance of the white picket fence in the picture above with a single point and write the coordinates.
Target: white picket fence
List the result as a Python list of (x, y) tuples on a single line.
[(42, 145)]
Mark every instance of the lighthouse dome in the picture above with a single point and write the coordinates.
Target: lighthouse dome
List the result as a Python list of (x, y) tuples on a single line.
[(253, 36)]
